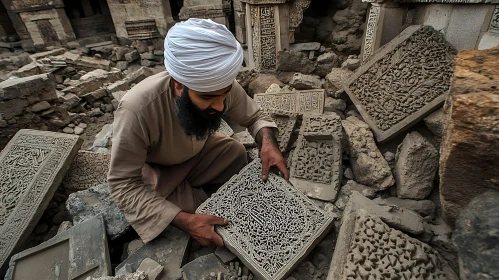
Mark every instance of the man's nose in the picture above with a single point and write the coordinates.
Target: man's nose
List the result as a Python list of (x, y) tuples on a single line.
[(218, 104)]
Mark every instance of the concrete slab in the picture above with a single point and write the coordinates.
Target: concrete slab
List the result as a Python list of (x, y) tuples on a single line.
[(31, 168), (285, 122), (204, 267), (391, 100), (76, 253), (88, 169), (305, 101), (272, 226), (465, 25), (488, 41)]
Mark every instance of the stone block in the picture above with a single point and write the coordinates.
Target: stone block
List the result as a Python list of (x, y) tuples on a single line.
[(139, 275), (88, 169), (368, 246), (147, 63), (262, 83), (415, 167), (95, 95), (40, 106), (301, 102), (54, 52), (437, 16), (245, 138), (117, 95), (285, 122), (291, 222), (151, 268), (31, 69), (168, 250), (132, 56), (32, 165), (316, 165), (79, 251), (488, 40), (336, 79), (299, 47), (139, 75), (91, 63), (12, 108), (325, 63), (469, 149), (93, 81), (465, 24), (302, 81), (293, 61), (29, 86), (368, 164), (347, 190), (273, 88), (391, 100), (122, 65), (119, 86), (225, 129), (434, 122), (69, 100), (224, 255), (204, 267)]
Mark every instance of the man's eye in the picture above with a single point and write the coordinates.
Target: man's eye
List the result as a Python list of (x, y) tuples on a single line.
[(206, 97)]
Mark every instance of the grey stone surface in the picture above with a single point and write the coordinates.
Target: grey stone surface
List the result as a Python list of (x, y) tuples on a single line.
[(168, 249), (224, 255), (346, 192), (422, 86), (132, 56), (311, 46), (77, 252), (31, 169), (415, 167), (102, 138), (266, 218), (477, 238), (465, 25), (305, 101), (425, 208), (88, 169), (325, 62), (204, 267), (151, 268), (336, 79), (285, 122), (93, 80), (245, 138), (434, 122), (273, 88), (42, 85), (83, 205), (139, 275), (294, 61), (304, 81), (367, 163), (333, 104)]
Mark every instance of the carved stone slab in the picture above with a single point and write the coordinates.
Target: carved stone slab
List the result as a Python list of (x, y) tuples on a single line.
[(76, 254), (245, 138), (316, 165), (225, 129), (305, 101), (368, 247), (272, 225), (285, 122), (88, 169), (403, 82), (31, 168)]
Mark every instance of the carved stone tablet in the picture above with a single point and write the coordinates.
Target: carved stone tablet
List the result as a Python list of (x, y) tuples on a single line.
[(305, 101), (285, 122), (88, 169), (245, 138), (31, 168), (403, 82), (272, 225), (225, 129), (316, 165)]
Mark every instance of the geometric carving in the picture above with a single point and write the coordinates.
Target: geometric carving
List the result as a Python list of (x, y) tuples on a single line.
[(316, 166), (31, 168), (296, 15), (88, 169), (285, 122), (403, 82), (305, 101), (494, 23), (225, 129), (142, 29), (371, 28), (272, 226), (264, 32)]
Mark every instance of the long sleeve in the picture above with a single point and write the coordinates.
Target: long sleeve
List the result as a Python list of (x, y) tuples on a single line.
[(148, 212), (244, 110)]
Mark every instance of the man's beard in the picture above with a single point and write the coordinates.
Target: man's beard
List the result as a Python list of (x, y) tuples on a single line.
[(193, 120)]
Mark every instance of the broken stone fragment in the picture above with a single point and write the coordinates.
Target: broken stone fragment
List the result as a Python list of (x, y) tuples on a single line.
[(151, 268), (434, 122), (40, 106), (78, 130), (331, 104), (224, 255), (203, 267), (132, 56), (274, 88), (68, 130), (139, 275), (325, 62), (346, 191), (262, 83), (425, 208), (294, 61), (310, 46), (352, 63), (303, 81), (336, 79)]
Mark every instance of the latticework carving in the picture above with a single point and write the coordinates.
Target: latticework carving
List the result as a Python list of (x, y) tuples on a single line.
[(272, 225), (494, 22), (31, 169), (306, 101), (285, 122), (225, 129), (404, 81), (371, 27), (88, 169)]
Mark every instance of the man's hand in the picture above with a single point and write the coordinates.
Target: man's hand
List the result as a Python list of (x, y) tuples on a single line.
[(201, 227), (270, 153)]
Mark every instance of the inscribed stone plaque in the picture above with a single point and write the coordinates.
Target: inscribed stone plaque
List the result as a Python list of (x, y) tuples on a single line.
[(225, 129), (316, 165), (31, 168), (272, 226), (88, 169), (403, 82), (305, 101), (285, 122), (75, 254)]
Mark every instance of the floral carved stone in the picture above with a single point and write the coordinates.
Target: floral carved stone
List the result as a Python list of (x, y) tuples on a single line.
[(403, 82), (305, 101), (272, 226), (31, 168), (285, 122)]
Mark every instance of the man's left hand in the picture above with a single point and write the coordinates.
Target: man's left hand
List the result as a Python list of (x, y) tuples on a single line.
[(270, 154)]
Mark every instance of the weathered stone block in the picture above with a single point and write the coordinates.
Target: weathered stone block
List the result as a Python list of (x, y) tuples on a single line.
[(132, 56), (88, 169), (12, 108), (285, 122), (91, 63), (301, 81), (40, 106), (31, 168), (293, 61), (29, 86), (325, 63), (336, 79), (434, 122), (28, 70), (469, 149), (311, 46), (391, 100), (305, 101), (262, 83), (258, 240), (203, 267)]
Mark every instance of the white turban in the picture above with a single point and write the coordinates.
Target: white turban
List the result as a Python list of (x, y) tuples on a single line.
[(202, 55)]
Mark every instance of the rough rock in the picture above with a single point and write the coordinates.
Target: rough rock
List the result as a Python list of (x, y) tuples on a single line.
[(303, 81), (90, 63), (325, 62), (69, 100), (425, 208), (151, 268), (367, 163), (434, 122), (346, 192), (311, 46), (352, 63), (469, 149), (85, 204), (28, 70), (78, 130), (93, 80), (292, 61), (262, 83), (65, 225), (122, 65), (203, 267), (68, 130), (42, 85), (40, 106), (332, 104), (132, 56), (415, 167), (477, 237), (335, 80)]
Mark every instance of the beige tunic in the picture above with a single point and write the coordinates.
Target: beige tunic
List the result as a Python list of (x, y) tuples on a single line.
[(146, 129)]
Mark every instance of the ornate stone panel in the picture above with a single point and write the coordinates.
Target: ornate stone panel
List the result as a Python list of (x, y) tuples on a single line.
[(285, 122), (371, 28), (296, 14), (264, 39), (31, 168), (88, 169), (272, 226), (316, 165), (494, 23), (305, 101), (225, 129), (403, 82), (368, 248)]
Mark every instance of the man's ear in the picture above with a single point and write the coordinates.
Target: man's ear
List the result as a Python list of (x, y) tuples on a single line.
[(177, 87)]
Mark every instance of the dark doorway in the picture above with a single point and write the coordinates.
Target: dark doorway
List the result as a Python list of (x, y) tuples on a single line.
[(89, 17), (175, 6), (6, 27)]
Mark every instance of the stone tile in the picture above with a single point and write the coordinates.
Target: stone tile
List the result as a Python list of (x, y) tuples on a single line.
[(168, 249), (204, 267), (31, 168), (225, 129), (265, 218), (316, 165), (88, 169), (391, 100), (285, 122), (76, 253), (305, 101), (465, 24), (245, 138), (367, 246)]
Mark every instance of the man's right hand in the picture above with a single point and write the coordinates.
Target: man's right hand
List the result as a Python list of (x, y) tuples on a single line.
[(201, 227)]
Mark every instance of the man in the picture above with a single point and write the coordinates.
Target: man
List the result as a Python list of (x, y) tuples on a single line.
[(165, 150)]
